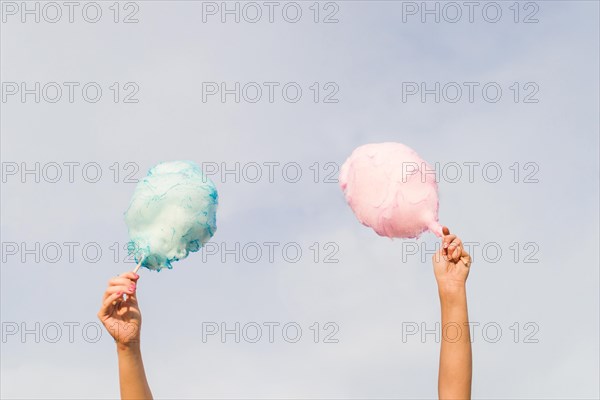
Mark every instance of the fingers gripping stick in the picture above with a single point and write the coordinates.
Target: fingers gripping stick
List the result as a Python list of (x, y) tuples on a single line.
[(135, 270)]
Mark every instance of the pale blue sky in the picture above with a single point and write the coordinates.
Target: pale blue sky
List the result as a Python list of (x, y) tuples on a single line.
[(370, 292)]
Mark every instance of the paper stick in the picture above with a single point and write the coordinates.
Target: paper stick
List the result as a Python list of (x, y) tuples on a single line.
[(138, 266)]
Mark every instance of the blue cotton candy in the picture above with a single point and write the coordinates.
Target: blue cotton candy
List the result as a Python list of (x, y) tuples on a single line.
[(172, 212)]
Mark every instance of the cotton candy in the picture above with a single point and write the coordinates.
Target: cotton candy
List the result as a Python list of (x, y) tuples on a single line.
[(392, 190), (172, 213)]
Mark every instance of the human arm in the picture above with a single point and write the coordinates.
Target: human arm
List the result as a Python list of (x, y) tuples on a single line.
[(451, 268), (123, 320)]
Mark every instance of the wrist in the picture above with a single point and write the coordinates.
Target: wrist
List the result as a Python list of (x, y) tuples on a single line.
[(452, 290), (129, 347)]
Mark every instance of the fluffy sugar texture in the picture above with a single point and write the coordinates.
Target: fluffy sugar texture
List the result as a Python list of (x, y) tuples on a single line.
[(172, 212), (386, 186)]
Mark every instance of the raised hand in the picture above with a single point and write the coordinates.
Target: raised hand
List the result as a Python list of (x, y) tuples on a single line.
[(120, 313), (451, 263)]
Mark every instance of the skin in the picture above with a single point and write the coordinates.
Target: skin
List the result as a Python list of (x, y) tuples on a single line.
[(122, 318), (451, 266)]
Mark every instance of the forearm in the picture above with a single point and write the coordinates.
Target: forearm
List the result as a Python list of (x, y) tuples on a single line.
[(132, 377), (454, 381)]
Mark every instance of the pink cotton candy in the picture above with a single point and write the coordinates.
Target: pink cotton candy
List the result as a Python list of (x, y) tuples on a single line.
[(392, 190)]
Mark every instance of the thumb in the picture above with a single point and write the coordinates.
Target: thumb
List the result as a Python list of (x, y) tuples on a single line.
[(465, 258)]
